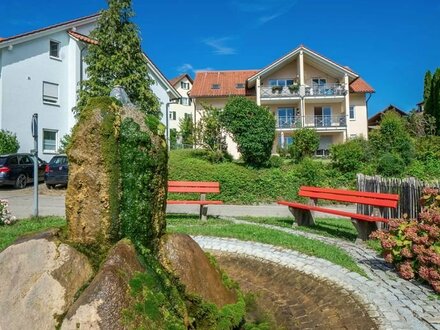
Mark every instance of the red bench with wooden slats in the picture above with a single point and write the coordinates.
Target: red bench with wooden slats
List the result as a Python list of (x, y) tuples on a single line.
[(198, 187), (365, 224)]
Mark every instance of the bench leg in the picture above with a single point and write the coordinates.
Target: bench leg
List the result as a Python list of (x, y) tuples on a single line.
[(302, 217), (203, 212), (364, 228)]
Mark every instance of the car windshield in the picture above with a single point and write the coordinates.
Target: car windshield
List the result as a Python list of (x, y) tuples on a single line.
[(3, 160)]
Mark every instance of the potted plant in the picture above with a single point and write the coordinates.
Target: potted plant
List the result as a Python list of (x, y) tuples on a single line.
[(276, 89), (294, 88)]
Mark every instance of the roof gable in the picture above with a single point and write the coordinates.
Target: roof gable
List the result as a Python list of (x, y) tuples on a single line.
[(293, 54), (175, 80)]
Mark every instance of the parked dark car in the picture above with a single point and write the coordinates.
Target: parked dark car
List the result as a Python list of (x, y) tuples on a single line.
[(57, 171), (18, 170)]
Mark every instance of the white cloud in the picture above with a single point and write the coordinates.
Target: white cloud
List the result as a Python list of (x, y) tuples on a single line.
[(264, 10), (185, 68), (219, 47)]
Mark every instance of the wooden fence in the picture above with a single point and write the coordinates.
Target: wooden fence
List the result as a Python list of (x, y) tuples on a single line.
[(409, 190)]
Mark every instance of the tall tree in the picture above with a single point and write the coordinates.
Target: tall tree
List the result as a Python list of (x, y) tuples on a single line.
[(432, 103), (427, 85), (117, 60)]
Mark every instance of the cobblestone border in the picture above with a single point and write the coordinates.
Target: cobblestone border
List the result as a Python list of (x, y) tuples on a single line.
[(394, 302)]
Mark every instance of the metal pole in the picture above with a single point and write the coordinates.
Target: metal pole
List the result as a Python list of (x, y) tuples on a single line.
[(35, 153)]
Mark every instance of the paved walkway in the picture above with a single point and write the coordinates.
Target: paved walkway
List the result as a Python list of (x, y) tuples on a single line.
[(396, 303)]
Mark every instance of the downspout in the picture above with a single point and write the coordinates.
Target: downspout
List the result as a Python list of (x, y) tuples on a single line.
[(366, 106)]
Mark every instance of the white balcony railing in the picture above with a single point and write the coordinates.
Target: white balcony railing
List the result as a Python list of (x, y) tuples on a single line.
[(312, 121), (332, 89)]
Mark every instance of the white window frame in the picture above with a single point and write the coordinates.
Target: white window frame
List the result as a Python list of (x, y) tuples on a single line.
[(353, 136), (186, 102), (50, 151), (173, 115), (281, 82), (352, 108), (184, 85), (48, 99), (59, 49)]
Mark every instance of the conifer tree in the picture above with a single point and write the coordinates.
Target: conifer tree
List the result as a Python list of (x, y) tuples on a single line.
[(432, 103), (427, 85), (117, 60)]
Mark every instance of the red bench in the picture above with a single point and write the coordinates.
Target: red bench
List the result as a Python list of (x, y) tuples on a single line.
[(365, 224), (201, 188)]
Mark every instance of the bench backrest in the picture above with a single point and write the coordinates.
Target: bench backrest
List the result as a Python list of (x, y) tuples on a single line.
[(350, 196), (193, 187)]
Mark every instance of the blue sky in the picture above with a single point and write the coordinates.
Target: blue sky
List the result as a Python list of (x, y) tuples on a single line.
[(389, 43)]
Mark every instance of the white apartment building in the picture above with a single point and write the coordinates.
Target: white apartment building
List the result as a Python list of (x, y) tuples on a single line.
[(40, 72)]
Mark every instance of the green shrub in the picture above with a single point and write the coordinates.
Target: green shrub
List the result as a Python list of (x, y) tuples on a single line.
[(427, 147), (390, 165), (252, 127), (305, 143), (8, 142), (350, 156), (393, 137), (275, 161)]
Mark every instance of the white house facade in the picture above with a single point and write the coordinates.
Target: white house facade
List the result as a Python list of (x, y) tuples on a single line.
[(40, 72)]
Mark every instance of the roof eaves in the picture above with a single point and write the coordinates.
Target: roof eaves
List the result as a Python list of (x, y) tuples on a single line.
[(164, 80), (50, 29)]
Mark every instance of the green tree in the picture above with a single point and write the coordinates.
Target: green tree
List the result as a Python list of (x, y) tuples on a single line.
[(420, 124), (427, 85), (186, 127), (305, 143), (208, 131), (252, 127), (8, 142), (117, 60), (173, 138), (392, 137), (432, 103)]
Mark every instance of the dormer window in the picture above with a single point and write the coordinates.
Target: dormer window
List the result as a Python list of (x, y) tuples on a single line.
[(54, 49), (215, 86), (239, 86)]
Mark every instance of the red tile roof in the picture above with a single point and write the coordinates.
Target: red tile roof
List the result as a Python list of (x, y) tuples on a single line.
[(82, 37), (176, 79), (360, 86), (49, 27), (227, 81)]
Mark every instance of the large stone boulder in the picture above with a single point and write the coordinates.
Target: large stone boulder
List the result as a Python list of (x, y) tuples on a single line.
[(100, 306), (184, 258), (39, 278)]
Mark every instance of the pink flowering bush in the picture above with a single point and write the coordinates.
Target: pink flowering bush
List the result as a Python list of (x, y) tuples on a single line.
[(413, 246), (6, 218)]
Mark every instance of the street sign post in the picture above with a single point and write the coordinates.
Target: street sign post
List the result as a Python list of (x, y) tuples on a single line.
[(34, 129)]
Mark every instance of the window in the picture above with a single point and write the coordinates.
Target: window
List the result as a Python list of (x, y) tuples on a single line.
[(353, 136), (50, 93), (352, 112), (54, 49), (50, 141), (239, 86), (188, 116), (286, 117), (319, 81), (25, 160), (185, 101), (281, 82), (215, 86), (184, 85), (172, 115)]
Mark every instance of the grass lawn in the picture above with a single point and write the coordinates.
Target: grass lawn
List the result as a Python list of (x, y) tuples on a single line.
[(338, 228), (8, 234), (221, 228)]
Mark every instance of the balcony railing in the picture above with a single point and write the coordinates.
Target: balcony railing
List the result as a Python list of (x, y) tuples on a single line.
[(312, 121), (325, 90), (287, 91), (278, 91)]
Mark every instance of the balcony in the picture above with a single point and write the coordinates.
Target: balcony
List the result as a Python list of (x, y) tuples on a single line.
[(325, 90), (279, 91), (324, 122)]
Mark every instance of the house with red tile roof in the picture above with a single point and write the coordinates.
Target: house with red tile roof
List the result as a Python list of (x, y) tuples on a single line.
[(301, 89), (41, 71)]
